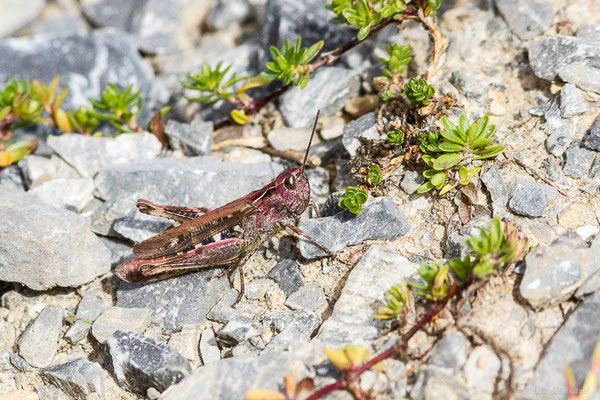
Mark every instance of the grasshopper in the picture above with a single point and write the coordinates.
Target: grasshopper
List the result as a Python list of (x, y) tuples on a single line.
[(226, 236)]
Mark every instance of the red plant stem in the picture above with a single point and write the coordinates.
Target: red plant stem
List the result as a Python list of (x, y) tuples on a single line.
[(352, 375)]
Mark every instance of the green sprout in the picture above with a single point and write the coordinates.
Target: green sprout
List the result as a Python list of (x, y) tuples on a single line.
[(364, 14), (83, 119), (437, 281), (211, 81), (374, 176), (290, 63), (12, 152), (396, 137), (400, 303), (400, 57), (418, 92), (353, 199), (465, 144), (119, 107)]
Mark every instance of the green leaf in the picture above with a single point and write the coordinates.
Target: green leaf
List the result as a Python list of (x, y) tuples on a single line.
[(488, 152), (450, 147), (482, 268), (438, 179), (4, 112), (496, 234), (450, 132), (463, 126), (426, 187), (427, 159), (446, 161), (482, 142), (448, 187), (363, 32), (312, 51)]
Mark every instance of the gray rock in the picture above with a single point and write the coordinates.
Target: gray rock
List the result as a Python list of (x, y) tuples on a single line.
[(222, 310), (530, 198), (11, 176), (364, 128), (497, 189), (46, 247), (177, 301), (79, 379), (19, 363), (552, 55), (119, 249), (308, 297), (227, 12), (231, 378), (327, 90), (284, 139), (91, 154), (209, 350), (559, 138), (555, 272), (153, 23), (593, 139), (287, 275), (471, 87), (15, 17), (37, 170), (78, 331), (91, 305), (46, 392), (239, 329), (578, 161), (482, 368), (591, 33), (85, 63), (303, 322), (584, 76), (352, 318), (572, 101), (579, 334), (526, 19), (381, 219), (432, 383), (68, 22), (257, 289), (451, 352), (198, 181), (70, 193), (193, 139), (411, 180), (455, 245), (39, 342), (318, 178), (115, 319), (139, 363)]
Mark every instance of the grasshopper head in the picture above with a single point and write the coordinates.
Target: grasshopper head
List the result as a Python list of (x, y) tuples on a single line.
[(292, 185)]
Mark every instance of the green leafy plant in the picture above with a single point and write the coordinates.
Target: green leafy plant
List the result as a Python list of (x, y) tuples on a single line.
[(212, 82), (83, 119), (437, 281), (12, 152), (400, 57), (364, 14), (418, 92), (463, 145), (400, 303), (353, 199), (290, 63), (374, 176), (396, 137), (120, 107)]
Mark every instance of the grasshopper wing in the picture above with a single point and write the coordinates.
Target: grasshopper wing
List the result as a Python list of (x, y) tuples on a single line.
[(192, 233)]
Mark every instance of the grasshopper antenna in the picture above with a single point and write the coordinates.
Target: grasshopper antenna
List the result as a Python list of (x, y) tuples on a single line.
[(310, 140)]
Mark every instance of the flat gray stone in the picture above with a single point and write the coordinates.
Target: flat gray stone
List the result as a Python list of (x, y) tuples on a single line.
[(352, 318), (592, 141), (287, 275), (177, 301), (80, 379), (451, 352), (12, 176), (303, 322), (308, 297), (572, 101), (120, 319), (526, 19), (88, 154), (239, 329), (327, 90), (381, 219), (70, 193), (530, 198), (232, 377), (46, 247), (209, 350), (186, 342), (578, 161), (39, 342), (284, 139), (411, 180), (363, 128), (578, 335), (192, 139), (586, 77), (139, 363)]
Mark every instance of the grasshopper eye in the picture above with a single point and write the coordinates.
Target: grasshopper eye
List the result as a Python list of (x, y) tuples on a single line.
[(290, 182)]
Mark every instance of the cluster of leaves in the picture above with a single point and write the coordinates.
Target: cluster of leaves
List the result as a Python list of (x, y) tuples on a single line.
[(120, 107), (290, 63), (463, 146), (212, 82), (399, 57), (491, 250), (418, 92), (353, 199), (374, 175)]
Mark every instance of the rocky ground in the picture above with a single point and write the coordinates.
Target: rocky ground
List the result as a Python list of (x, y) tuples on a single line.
[(70, 329)]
